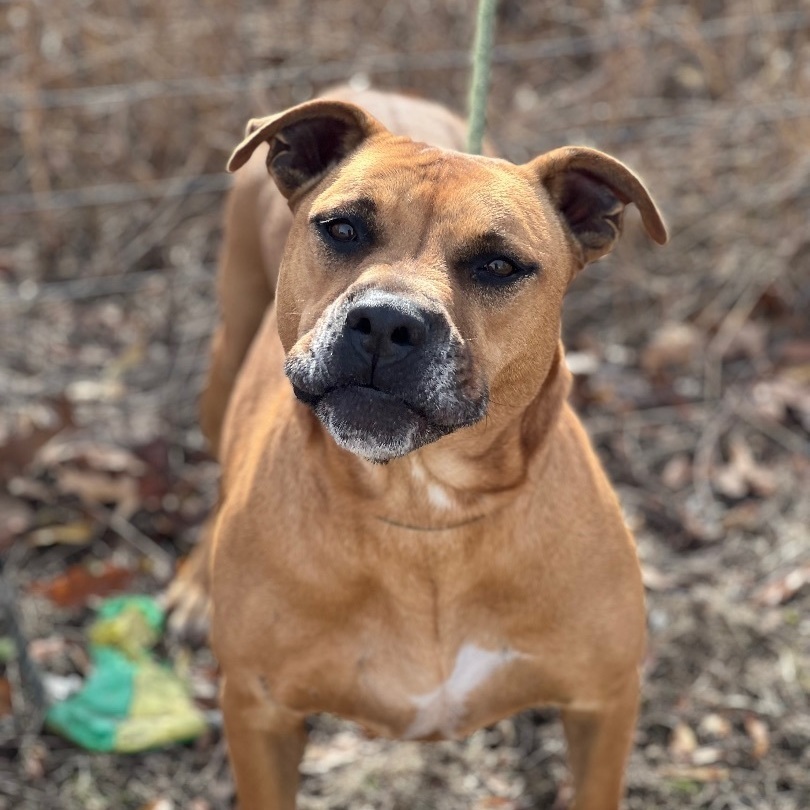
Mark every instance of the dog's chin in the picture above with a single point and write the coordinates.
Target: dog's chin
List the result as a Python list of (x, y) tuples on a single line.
[(373, 424)]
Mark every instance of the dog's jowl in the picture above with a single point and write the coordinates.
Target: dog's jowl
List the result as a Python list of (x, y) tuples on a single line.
[(414, 532)]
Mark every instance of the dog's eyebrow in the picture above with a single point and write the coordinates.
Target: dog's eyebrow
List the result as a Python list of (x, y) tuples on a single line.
[(363, 207)]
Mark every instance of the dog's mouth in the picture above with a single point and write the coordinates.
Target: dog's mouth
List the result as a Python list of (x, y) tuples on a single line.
[(377, 424), (371, 393), (386, 374)]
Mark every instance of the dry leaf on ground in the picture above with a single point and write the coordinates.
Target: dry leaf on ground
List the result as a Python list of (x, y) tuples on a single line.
[(19, 448), (75, 533), (781, 590), (79, 583), (742, 475), (698, 773), (758, 732), (673, 345), (682, 743)]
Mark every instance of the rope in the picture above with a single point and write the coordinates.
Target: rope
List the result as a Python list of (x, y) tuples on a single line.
[(482, 59)]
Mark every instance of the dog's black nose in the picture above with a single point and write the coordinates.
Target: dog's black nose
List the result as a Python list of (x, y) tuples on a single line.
[(388, 330)]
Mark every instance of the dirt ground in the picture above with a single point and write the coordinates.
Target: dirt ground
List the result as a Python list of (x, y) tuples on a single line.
[(692, 364)]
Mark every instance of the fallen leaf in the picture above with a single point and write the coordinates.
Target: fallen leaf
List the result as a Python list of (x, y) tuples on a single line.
[(5, 697), (94, 488), (781, 590), (155, 482), (17, 519), (93, 455), (773, 398), (706, 755), (581, 364), (30, 489), (682, 743), (674, 345), (76, 533), (656, 580), (677, 472), (323, 760), (46, 650), (33, 761), (96, 473), (758, 733), (715, 726), (706, 773), (747, 515), (36, 429), (105, 390), (503, 790), (492, 802), (79, 583), (742, 474)]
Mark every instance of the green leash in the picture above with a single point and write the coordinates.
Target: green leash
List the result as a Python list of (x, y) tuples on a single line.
[(482, 58)]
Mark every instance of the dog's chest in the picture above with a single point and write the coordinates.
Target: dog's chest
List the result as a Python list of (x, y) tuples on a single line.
[(411, 675), (413, 635), (444, 710)]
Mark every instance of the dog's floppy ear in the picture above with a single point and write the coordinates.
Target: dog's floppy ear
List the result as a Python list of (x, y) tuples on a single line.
[(305, 141), (590, 190)]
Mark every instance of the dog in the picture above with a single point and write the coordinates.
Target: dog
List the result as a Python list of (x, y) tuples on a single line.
[(414, 532)]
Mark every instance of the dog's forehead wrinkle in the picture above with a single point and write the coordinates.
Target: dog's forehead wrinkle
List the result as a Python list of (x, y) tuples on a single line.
[(426, 169)]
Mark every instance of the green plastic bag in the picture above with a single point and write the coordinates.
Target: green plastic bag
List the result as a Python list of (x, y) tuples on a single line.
[(129, 702)]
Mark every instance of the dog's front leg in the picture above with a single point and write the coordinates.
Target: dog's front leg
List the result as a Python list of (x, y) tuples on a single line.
[(265, 744), (599, 741)]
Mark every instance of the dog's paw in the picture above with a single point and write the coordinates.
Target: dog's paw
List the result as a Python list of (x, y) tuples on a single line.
[(187, 602)]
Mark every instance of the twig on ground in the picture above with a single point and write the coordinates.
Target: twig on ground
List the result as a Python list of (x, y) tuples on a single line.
[(731, 325), (161, 560), (781, 435)]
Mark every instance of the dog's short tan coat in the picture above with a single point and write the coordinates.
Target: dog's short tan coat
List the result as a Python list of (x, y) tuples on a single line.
[(485, 568)]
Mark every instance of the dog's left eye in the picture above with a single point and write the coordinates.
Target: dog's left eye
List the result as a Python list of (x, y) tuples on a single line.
[(498, 271), (341, 230), (500, 268)]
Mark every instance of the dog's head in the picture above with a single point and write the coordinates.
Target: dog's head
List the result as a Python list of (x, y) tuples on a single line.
[(419, 284)]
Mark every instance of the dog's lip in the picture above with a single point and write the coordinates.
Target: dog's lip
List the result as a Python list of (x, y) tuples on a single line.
[(313, 399)]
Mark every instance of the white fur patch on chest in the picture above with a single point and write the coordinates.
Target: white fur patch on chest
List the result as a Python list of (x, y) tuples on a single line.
[(441, 710), (438, 496)]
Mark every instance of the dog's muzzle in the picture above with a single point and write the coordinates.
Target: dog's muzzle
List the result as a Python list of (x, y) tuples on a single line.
[(386, 374)]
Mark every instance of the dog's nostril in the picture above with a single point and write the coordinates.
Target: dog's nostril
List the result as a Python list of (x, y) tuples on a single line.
[(363, 326), (401, 336)]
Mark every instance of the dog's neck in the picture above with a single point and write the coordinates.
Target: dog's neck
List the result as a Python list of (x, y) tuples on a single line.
[(496, 454)]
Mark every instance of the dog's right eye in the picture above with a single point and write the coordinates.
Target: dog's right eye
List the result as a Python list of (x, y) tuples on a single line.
[(341, 230), (343, 234)]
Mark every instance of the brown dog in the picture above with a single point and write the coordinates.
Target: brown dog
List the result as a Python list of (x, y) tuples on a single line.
[(414, 532)]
